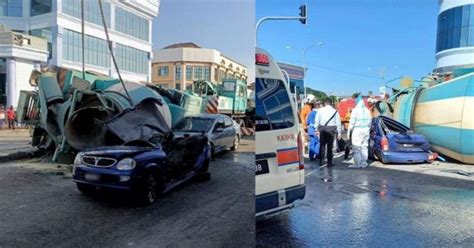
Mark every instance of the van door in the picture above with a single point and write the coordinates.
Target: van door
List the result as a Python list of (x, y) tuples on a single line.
[(277, 151)]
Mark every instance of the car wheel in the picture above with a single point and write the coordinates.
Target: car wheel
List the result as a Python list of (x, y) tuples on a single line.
[(85, 188), (213, 151), (149, 190), (236, 143), (204, 167)]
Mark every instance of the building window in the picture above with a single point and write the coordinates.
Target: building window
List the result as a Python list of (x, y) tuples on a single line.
[(189, 86), (91, 10), (46, 34), (95, 50), (131, 59), (222, 75), (131, 24), (178, 72), (197, 72), (189, 72), (207, 73), (163, 86), (455, 28), (163, 71), (178, 86), (39, 7), (13, 8)]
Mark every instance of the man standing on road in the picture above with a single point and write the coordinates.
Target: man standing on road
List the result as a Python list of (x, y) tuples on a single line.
[(312, 129), (329, 125), (11, 118), (359, 125)]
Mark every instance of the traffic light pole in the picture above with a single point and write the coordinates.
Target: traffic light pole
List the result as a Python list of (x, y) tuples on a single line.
[(278, 18)]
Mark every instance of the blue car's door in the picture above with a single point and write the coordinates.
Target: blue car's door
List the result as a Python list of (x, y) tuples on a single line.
[(376, 134)]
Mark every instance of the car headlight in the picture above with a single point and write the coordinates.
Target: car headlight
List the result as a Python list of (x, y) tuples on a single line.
[(78, 159), (126, 164)]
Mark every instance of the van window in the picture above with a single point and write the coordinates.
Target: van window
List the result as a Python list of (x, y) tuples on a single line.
[(273, 106)]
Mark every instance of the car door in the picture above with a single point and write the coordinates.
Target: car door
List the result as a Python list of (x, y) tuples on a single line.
[(229, 132), (219, 141)]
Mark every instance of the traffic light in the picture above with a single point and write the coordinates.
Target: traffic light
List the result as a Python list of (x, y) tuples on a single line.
[(303, 14)]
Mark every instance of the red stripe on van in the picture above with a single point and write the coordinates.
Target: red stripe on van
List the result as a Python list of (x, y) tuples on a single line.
[(288, 156)]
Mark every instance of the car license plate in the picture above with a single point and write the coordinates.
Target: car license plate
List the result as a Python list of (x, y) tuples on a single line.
[(92, 177), (408, 145), (261, 167)]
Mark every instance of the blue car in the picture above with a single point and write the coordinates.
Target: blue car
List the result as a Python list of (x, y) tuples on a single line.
[(143, 168), (392, 142)]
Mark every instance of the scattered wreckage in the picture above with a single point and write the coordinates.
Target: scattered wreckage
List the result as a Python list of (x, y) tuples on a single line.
[(70, 114), (119, 135)]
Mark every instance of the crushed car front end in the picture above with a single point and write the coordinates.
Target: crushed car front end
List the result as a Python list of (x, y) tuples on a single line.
[(119, 168)]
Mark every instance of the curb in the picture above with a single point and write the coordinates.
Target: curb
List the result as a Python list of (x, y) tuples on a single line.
[(33, 153)]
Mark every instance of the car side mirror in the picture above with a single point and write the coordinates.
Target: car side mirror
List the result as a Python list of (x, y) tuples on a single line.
[(219, 130)]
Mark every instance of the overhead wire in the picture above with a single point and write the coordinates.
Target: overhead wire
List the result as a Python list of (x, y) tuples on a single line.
[(104, 24)]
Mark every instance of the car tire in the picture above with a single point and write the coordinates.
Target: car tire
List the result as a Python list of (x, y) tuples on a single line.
[(203, 177), (236, 143), (213, 151), (148, 191), (85, 188), (205, 167)]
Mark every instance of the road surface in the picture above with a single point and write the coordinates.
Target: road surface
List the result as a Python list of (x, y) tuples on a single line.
[(374, 207), (41, 207)]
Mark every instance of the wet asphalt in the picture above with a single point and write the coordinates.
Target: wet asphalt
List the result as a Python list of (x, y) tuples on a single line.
[(39, 208), (374, 207)]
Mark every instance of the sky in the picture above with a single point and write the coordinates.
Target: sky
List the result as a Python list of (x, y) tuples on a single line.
[(362, 40), (224, 25)]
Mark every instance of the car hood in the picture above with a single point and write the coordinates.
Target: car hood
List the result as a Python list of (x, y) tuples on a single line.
[(117, 151)]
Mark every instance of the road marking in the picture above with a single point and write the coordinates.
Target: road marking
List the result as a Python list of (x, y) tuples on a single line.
[(311, 172)]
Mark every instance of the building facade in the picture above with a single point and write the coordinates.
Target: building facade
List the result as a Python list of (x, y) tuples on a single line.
[(177, 66), (455, 36), (19, 55), (296, 75), (129, 24)]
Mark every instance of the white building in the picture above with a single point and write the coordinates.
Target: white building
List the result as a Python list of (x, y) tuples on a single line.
[(455, 39), (19, 55), (130, 31)]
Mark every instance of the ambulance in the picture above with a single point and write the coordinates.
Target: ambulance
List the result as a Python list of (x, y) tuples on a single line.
[(279, 162)]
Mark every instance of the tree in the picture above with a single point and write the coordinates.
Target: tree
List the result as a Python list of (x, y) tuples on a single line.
[(319, 95), (356, 94)]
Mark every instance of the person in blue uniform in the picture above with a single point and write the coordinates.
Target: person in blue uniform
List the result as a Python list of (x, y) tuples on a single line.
[(312, 129)]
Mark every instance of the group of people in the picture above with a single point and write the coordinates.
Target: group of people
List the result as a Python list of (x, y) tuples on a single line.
[(323, 127), (7, 115)]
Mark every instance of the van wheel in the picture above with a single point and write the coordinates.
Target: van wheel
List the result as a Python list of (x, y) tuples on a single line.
[(85, 188), (236, 143)]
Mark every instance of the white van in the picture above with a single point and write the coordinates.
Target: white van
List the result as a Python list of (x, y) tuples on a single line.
[(279, 162)]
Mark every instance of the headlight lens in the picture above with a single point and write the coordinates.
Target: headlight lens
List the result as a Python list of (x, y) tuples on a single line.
[(126, 164), (78, 159)]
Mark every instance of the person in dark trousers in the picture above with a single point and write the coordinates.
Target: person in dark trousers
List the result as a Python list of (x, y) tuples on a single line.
[(11, 118), (329, 127)]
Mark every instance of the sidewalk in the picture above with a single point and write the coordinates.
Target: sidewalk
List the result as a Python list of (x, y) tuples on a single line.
[(12, 141)]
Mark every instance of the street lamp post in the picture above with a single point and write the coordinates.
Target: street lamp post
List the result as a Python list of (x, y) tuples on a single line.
[(304, 52)]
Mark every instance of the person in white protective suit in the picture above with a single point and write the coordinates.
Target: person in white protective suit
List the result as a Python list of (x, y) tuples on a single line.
[(359, 127)]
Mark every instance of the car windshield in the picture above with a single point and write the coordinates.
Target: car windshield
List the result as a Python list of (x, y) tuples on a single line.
[(194, 124)]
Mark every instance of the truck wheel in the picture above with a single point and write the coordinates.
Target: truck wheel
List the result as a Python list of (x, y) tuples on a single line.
[(85, 188), (236, 143), (148, 191)]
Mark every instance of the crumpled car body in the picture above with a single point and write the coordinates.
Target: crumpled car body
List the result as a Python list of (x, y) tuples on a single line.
[(147, 170), (392, 142)]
